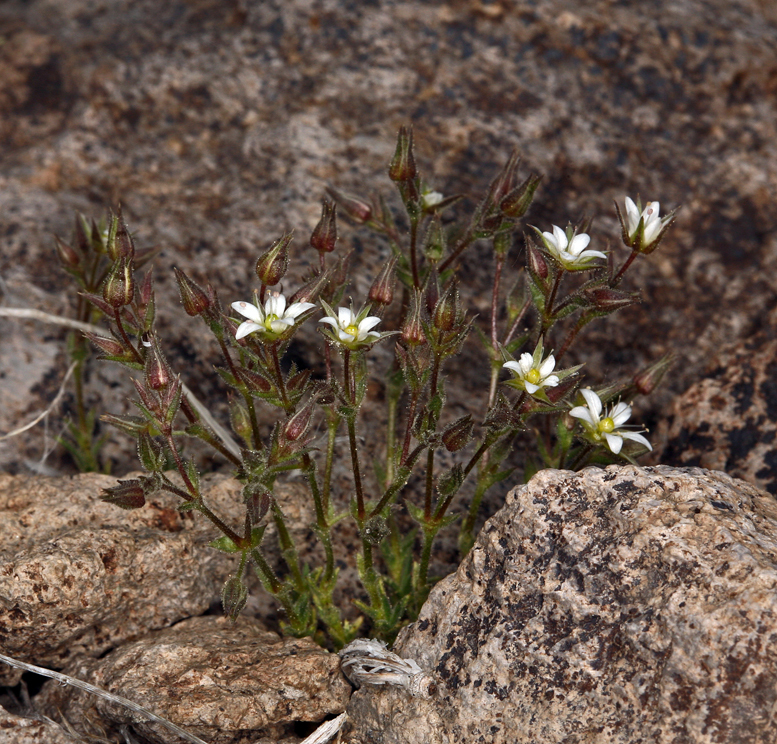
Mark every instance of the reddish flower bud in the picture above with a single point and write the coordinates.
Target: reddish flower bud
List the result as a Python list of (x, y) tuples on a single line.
[(458, 434), (324, 237), (447, 311), (119, 287), (412, 332), (106, 345), (255, 382), (234, 596), (403, 167), (609, 300), (128, 494), (257, 499), (193, 297), (432, 293), (382, 289), (535, 261), (273, 264), (158, 372), (68, 256), (503, 183), (649, 378), (358, 210), (516, 202), (125, 245), (310, 291)]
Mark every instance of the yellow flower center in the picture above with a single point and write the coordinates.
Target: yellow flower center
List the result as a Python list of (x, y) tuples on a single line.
[(352, 330), (533, 376), (269, 320), (606, 425)]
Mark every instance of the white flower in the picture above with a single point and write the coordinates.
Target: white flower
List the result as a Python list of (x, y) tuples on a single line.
[(607, 427), (569, 248), (532, 374), (351, 329), (273, 319), (646, 227), (431, 198)]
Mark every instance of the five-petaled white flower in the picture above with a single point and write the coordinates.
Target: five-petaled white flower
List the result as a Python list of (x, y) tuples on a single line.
[(351, 329), (569, 248), (652, 223), (607, 427), (533, 374), (273, 319)]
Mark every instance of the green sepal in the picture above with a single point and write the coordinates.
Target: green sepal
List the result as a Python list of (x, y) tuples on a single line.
[(224, 544)]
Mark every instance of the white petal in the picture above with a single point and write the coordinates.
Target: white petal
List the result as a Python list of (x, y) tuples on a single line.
[(513, 367), (560, 238), (592, 254), (530, 388), (651, 232), (579, 243), (295, 310), (614, 442), (632, 215), (636, 438), (620, 414), (526, 362), (346, 338), (275, 305), (547, 366), (551, 381), (551, 240), (247, 327), (367, 323), (249, 310), (373, 334), (280, 325), (582, 412), (593, 401), (345, 316), (332, 321)]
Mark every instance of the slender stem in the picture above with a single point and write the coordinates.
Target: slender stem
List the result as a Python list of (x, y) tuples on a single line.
[(429, 483), (290, 555), (266, 570), (616, 279), (357, 480), (423, 568), (439, 512), (409, 428), (500, 260), (256, 437), (288, 407), (391, 439), (582, 456), (552, 298), (461, 246), (570, 338), (332, 428), (495, 367), (413, 252), (124, 336), (518, 319)]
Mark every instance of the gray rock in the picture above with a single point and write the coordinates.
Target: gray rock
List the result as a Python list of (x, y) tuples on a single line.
[(19, 730), (79, 576), (728, 420), (226, 683), (621, 605)]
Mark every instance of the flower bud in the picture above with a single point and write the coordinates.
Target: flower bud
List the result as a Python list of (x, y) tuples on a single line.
[(234, 596), (106, 345), (310, 291), (403, 167), (125, 245), (324, 237), (502, 243), (273, 264), (297, 425), (119, 287), (257, 499), (382, 289), (649, 378), (609, 300), (240, 419), (193, 297), (358, 210), (158, 372), (254, 381), (535, 261), (432, 291), (446, 313), (128, 494), (458, 434), (516, 202), (503, 183), (435, 242), (68, 256), (412, 332)]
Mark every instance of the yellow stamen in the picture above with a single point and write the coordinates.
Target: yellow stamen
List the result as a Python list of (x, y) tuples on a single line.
[(606, 425), (533, 376), (352, 330)]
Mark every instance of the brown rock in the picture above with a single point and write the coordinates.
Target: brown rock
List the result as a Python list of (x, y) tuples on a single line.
[(78, 576), (621, 605), (224, 682), (19, 730)]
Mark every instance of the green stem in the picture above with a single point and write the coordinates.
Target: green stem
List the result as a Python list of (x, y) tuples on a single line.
[(332, 426), (429, 484), (290, 555)]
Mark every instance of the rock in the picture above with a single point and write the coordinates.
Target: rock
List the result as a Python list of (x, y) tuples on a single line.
[(18, 730), (621, 605), (79, 576), (728, 420), (225, 683), (218, 125)]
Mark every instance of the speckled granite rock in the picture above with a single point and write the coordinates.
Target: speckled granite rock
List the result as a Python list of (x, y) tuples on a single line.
[(218, 125), (19, 730), (225, 683), (728, 420), (611, 606)]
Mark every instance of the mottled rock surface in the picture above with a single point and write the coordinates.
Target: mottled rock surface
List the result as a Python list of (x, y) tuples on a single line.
[(218, 125), (19, 730), (79, 576), (222, 682), (622, 605), (728, 420)]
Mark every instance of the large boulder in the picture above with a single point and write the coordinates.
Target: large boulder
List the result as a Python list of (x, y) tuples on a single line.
[(613, 606)]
